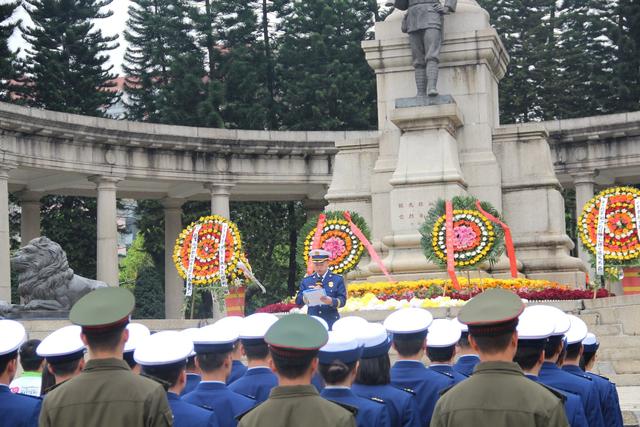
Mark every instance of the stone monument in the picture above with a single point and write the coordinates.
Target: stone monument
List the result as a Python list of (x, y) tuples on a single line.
[(46, 284), (442, 146)]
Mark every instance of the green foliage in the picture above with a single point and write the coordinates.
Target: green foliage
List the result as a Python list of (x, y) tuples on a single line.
[(8, 59), (149, 293), (71, 222), (134, 262), (460, 203), (312, 224), (626, 70), (323, 79), (66, 64)]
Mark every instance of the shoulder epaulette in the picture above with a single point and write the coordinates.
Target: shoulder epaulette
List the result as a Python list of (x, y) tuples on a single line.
[(581, 375), (598, 375), (407, 390), (444, 373), (246, 395), (376, 399), (349, 408), (557, 393)]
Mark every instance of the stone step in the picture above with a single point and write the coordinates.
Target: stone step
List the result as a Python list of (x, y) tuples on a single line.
[(625, 380), (612, 354), (590, 318), (622, 341), (603, 330), (629, 366)]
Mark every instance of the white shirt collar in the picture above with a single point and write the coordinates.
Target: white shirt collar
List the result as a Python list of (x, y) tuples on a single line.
[(337, 387)]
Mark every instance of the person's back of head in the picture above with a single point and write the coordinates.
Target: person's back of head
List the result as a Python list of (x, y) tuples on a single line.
[(292, 364), (105, 340), (29, 359), (336, 372), (374, 371)]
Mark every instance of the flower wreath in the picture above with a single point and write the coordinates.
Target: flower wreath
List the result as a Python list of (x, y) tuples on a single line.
[(621, 233), (337, 238), (200, 260), (475, 238)]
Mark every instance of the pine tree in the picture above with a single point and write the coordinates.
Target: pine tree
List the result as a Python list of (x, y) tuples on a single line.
[(626, 70), (165, 70), (8, 70), (66, 61), (323, 79)]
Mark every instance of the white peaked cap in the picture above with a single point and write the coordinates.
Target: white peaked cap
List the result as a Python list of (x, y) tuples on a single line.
[(531, 326), (230, 322), (190, 333), (443, 333), (322, 322), (560, 319), (163, 348), (137, 332), (349, 323), (590, 339), (256, 325), (408, 321), (578, 330), (62, 342), (12, 335), (462, 326)]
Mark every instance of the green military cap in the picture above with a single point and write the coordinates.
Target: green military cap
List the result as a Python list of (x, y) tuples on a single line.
[(297, 332), (492, 312), (104, 308)]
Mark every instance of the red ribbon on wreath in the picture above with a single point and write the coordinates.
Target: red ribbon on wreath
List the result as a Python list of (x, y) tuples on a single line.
[(508, 240), (365, 242), (451, 263), (316, 240)]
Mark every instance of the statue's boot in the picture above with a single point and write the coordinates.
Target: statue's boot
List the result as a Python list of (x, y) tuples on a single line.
[(421, 81), (432, 78)]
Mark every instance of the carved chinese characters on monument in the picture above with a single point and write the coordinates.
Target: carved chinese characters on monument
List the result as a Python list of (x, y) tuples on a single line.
[(411, 213)]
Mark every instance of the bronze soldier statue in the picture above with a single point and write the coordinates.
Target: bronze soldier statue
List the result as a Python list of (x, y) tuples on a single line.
[(424, 21)]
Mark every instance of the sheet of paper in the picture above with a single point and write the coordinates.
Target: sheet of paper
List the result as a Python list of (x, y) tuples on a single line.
[(313, 296)]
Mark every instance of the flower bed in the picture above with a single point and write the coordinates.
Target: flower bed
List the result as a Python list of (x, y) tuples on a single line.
[(429, 293)]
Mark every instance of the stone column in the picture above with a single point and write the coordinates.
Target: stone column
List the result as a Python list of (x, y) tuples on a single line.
[(584, 183), (220, 193), (313, 207), (173, 283), (5, 265), (30, 216), (107, 254)]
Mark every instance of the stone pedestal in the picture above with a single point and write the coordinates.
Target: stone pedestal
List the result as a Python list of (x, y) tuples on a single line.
[(585, 190), (427, 169)]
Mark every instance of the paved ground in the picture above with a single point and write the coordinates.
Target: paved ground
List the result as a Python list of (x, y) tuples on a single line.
[(630, 404)]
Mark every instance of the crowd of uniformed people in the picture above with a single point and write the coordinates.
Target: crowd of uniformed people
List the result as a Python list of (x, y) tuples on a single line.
[(497, 364)]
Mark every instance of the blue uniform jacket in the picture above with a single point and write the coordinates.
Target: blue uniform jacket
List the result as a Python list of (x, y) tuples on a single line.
[(255, 383), (448, 370), (370, 413), (426, 383), (188, 415), (238, 369), (465, 364), (334, 287), (609, 403), (553, 376), (225, 403), (18, 410), (317, 382), (192, 381), (401, 404), (572, 406)]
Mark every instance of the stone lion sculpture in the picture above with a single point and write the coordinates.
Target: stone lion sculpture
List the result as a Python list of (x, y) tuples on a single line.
[(45, 281)]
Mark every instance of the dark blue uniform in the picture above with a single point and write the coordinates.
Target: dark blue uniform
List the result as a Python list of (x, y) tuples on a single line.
[(334, 287), (192, 381), (18, 410), (426, 383), (225, 403), (448, 370), (401, 404), (465, 364), (609, 403), (238, 369), (188, 415), (572, 406), (255, 383), (317, 382), (370, 413), (553, 376)]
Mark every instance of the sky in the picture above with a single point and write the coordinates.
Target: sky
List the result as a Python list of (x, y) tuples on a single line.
[(115, 24)]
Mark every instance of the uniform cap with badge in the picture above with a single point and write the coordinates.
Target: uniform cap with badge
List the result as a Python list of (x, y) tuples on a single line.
[(491, 313), (296, 335), (215, 339), (374, 339), (319, 255), (163, 348), (62, 345), (590, 343), (103, 310), (255, 327), (12, 335), (443, 333), (408, 323), (342, 346)]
